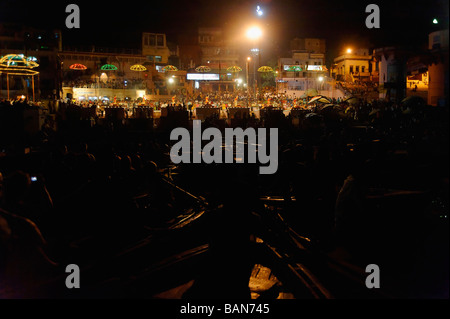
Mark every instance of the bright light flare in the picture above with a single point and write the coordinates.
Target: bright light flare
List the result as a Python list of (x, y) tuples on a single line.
[(254, 33)]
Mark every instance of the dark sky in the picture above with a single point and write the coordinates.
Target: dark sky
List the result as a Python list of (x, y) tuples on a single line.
[(120, 23)]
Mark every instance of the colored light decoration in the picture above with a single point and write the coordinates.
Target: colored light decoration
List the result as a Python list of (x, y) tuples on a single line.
[(108, 67), (234, 68), (265, 69), (203, 68), (138, 67), (17, 64), (77, 66), (16, 71), (17, 61), (169, 68)]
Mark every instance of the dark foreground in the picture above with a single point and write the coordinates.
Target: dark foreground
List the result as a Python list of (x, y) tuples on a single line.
[(108, 199)]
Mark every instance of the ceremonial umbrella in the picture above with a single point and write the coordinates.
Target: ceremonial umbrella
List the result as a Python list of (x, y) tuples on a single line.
[(203, 68), (351, 100), (108, 67), (265, 69), (138, 68), (234, 68), (320, 99), (78, 66), (170, 68)]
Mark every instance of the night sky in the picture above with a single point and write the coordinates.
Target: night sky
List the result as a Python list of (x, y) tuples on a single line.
[(341, 23)]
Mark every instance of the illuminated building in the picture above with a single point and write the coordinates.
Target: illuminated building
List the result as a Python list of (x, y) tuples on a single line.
[(305, 70), (354, 64), (154, 47)]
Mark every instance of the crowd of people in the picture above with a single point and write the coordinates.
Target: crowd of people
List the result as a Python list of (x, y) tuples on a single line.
[(103, 84), (70, 180)]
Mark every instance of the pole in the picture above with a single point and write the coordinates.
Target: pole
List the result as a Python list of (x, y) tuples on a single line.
[(255, 87), (32, 84), (7, 83), (248, 102)]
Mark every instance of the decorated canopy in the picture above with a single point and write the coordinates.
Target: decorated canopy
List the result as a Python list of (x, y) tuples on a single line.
[(203, 68), (234, 68), (17, 61), (17, 64), (77, 66), (109, 67), (351, 100), (138, 67), (265, 69), (170, 68), (320, 99)]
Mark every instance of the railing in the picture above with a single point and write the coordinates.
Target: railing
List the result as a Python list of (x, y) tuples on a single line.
[(94, 49)]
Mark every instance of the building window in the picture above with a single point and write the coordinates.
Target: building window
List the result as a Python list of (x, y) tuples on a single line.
[(158, 58), (357, 68), (160, 40), (351, 68), (152, 40), (363, 68)]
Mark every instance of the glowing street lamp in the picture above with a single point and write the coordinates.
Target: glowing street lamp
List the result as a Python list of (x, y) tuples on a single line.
[(254, 33), (349, 50)]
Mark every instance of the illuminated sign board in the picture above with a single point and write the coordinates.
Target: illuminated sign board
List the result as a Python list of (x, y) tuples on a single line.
[(203, 76), (316, 68), (292, 68)]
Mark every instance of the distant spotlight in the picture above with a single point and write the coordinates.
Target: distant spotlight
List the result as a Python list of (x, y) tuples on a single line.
[(349, 50), (259, 12), (435, 21)]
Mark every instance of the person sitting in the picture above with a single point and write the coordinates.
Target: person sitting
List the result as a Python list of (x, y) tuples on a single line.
[(25, 262)]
